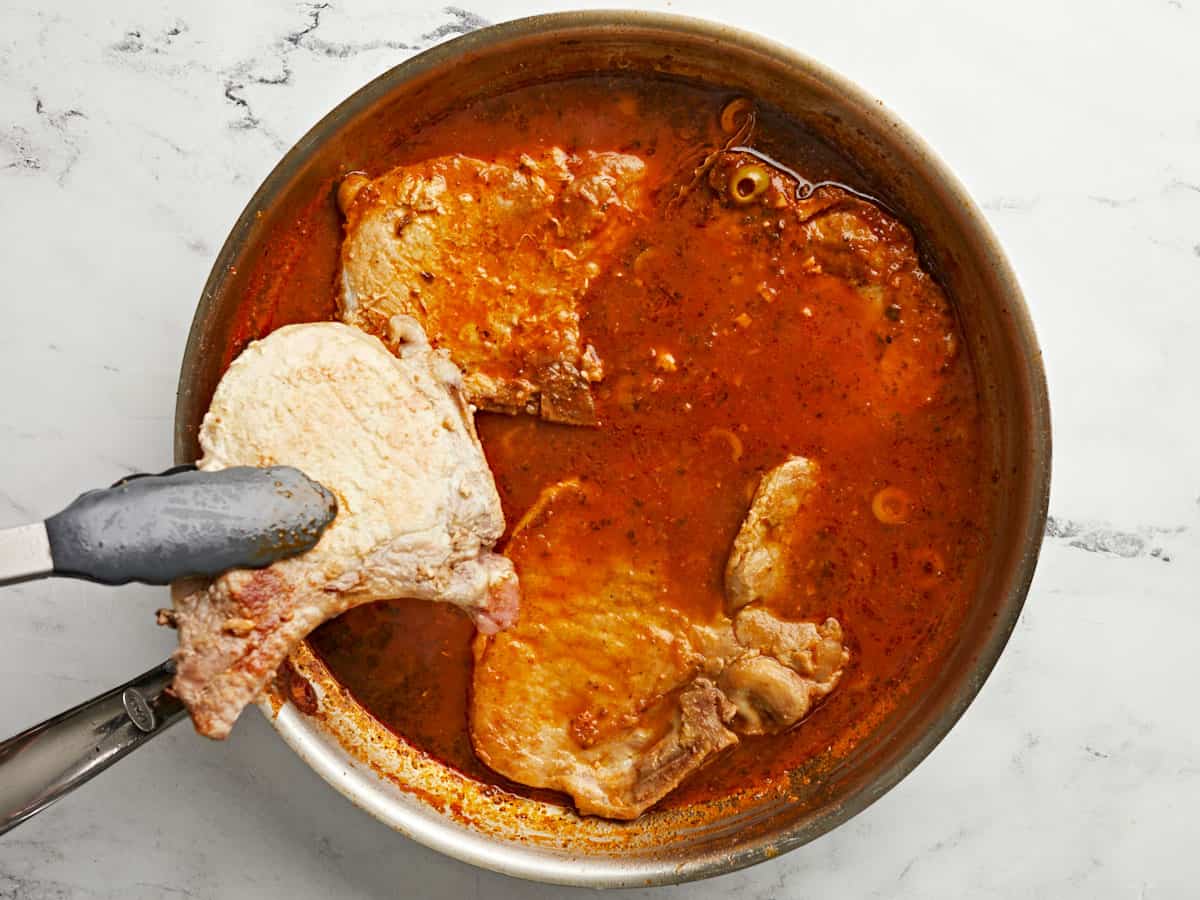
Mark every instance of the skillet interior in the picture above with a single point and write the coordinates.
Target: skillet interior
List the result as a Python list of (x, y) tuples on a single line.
[(522, 837)]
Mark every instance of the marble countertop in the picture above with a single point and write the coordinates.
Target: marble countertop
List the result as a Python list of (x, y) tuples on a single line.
[(132, 132)]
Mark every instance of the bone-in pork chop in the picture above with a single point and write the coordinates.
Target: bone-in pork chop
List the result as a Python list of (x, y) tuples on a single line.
[(605, 691), (844, 236), (758, 567), (493, 259), (418, 511)]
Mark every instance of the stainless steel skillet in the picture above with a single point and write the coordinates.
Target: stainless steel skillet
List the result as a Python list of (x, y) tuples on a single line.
[(433, 804), (520, 837)]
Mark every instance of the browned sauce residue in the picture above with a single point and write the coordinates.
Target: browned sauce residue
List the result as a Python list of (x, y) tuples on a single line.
[(298, 690)]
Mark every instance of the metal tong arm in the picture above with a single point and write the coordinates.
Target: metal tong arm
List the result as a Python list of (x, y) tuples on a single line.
[(49, 760)]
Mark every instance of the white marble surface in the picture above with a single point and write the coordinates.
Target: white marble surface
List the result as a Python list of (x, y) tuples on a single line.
[(133, 131)]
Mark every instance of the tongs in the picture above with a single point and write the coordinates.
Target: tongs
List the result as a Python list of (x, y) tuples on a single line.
[(153, 529)]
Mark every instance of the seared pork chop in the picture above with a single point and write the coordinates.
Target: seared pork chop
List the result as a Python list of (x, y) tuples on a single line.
[(758, 565), (493, 259), (832, 231), (605, 691), (418, 512), (598, 696)]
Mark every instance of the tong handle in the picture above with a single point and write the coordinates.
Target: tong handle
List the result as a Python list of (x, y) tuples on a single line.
[(157, 528), (43, 763)]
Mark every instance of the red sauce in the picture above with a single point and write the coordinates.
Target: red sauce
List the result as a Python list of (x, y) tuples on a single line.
[(678, 453)]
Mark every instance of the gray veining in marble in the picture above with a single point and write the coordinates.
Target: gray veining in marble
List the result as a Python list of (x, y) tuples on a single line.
[(133, 131)]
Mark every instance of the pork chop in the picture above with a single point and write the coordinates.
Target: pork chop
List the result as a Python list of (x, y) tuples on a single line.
[(832, 231), (605, 691), (758, 564), (492, 259), (591, 696), (418, 512)]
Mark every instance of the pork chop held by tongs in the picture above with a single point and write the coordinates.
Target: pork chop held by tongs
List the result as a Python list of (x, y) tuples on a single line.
[(418, 513)]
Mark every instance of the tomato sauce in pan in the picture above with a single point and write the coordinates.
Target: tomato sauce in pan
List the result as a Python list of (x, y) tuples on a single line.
[(710, 380)]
